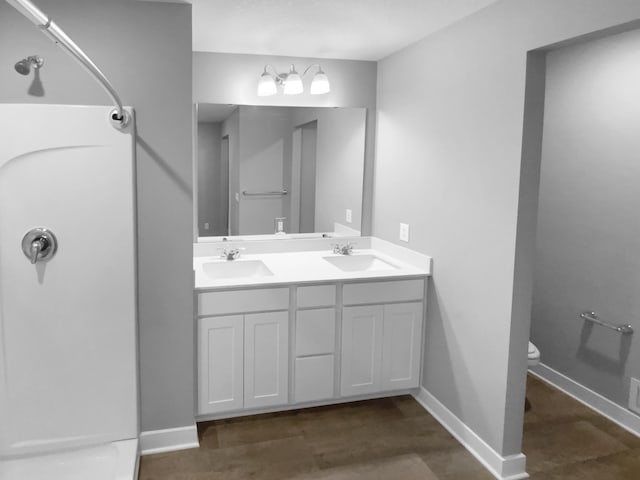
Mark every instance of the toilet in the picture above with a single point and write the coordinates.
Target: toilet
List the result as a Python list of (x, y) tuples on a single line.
[(534, 355)]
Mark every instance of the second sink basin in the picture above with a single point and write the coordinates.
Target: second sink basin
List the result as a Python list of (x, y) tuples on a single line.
[(359, 263), (236, 269)]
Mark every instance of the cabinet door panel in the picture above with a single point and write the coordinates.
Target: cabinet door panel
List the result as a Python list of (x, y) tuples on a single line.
[(401, 346), (220, 364), (266, 350), (361, 350)]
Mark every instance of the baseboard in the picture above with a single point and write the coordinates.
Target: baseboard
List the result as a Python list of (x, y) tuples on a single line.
[(602, 405), (169, 440), (511, 467)]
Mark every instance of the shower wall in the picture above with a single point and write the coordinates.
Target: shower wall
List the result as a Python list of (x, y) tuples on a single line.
[(144, 48), (68, 363), (588, 237)]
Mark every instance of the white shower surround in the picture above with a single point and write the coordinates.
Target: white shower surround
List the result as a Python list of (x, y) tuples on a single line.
[(68, 348)]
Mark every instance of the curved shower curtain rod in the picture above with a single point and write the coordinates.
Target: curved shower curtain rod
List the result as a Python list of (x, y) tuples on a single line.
[(118, 116)]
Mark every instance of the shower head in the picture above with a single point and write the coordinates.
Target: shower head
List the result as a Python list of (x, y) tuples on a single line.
[(23, 67)]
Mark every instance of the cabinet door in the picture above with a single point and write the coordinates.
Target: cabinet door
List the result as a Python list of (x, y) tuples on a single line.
[(220, 364), (401, 346), (361, 350), (266, 356)]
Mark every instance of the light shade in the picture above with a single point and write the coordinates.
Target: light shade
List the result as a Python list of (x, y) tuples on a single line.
[(293, 83), (267, 85), (320, 84)]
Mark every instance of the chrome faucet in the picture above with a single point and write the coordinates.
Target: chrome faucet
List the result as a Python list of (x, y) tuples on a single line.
[(230, 254), (346, 249)]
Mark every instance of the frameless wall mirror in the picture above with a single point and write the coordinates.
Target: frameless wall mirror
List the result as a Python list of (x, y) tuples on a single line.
[(264, 169)]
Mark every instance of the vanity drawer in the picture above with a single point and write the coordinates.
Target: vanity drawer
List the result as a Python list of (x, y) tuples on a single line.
[(315, 331), (314, 378), (383, 292), (316, 296), (241, 301)]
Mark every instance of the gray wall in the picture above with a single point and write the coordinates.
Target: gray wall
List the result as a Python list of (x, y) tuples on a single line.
[(210, 180), (232, 78), (449, 145), (145, 50), (588, 235)]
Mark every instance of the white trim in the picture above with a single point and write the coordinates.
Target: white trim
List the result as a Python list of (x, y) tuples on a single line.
[(605, 407), (169, 440), (511, 467)]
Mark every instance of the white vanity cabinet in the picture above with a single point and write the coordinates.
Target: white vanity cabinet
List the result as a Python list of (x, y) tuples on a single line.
[(381, 341), (264, 349), (243, 359)]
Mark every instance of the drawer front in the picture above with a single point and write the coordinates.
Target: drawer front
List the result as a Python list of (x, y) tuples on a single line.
[(237, 301), (315, 331), (316, 296), (314, 378), (383, 292)]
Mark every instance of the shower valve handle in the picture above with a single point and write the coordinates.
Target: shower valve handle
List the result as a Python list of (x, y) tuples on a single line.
[(39, 244)]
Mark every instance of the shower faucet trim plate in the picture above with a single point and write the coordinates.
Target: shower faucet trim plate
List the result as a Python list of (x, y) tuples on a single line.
[(39, 245)]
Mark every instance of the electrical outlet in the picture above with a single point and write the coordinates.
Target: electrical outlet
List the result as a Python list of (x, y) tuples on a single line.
[(348, 215), (634, 395), (237, 197), (279, 224), (404, 232), (206, 225)]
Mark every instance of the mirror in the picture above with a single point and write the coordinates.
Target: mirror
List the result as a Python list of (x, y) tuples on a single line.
[(265, 169)]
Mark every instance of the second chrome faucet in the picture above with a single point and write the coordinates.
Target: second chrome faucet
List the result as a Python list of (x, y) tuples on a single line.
[(346, 249), (230, 253)]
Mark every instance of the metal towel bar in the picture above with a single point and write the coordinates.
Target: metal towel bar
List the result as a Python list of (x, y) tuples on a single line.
[(593, 318), (253, 194)]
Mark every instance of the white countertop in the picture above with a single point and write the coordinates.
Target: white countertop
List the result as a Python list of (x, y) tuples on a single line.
[(311, 266)]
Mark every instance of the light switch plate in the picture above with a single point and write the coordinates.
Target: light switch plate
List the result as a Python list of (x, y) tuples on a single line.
[(634, 395), (404, 232), (206, 225), (348, 215)]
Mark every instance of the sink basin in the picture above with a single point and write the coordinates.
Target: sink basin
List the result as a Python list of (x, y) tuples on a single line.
[(359, 263), (236, 269)]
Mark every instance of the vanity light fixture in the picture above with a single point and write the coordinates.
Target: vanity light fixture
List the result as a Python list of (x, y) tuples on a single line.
[(291, 82)]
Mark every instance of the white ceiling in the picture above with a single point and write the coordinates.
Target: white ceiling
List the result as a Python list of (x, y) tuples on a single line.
[(343, 29)]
